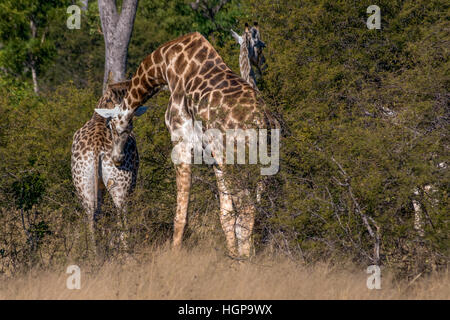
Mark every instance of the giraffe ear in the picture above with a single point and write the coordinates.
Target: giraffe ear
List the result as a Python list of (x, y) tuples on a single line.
[(236, 37), (108, 113), (140, 111)]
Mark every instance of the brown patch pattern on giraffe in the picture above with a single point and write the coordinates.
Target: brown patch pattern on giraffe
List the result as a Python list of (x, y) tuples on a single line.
[(202, 87), (93, 170)]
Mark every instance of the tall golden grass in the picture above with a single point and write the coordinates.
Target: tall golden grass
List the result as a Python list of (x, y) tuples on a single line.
[(205, 273)]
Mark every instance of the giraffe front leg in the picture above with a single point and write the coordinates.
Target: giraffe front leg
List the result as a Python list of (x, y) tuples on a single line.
[(244, 224), (124, 232), (122, 224), (183, 172), (227, 216)]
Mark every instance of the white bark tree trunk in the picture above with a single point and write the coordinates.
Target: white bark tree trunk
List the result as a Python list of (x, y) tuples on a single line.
[(418, 215), (32, 60), (85, 5), (117, 29), (34, 76)]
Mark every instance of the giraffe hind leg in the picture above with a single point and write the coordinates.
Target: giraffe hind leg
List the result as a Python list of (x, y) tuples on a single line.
[(227, 216), (86, 190), (183, 172)]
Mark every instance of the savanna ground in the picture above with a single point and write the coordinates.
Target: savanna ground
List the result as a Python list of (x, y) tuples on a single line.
[(365, 117), (205, 273)]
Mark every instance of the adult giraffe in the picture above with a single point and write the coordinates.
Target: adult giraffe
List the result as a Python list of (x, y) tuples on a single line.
[(202, 88), (251, 53)]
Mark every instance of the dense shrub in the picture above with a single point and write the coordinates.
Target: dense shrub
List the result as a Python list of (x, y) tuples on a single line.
[(365, 116)]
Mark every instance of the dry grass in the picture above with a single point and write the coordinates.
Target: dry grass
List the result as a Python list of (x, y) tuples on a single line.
[(207, 274)]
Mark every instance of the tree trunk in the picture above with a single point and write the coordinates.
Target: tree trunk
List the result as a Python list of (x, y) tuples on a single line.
[(117, 30), (34, 76), (85, 5), (32, 61)]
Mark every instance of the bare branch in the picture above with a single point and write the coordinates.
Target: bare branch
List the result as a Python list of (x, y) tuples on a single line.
[(359, 211)]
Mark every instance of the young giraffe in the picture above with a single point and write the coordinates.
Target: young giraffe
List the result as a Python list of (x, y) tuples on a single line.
[(96, 164), (202, 88), (250, 53)]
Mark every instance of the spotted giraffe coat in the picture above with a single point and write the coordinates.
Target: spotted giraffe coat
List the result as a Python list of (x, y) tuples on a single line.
[(93, 170), (202, 88)]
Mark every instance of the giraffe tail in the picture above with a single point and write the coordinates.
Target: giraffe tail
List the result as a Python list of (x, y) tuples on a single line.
[(97, 174), (271, 120)]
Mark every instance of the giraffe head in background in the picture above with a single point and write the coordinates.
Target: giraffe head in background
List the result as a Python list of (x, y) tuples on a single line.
[(251, 41)]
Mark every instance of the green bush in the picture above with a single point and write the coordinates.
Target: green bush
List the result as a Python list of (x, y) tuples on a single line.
[(365, 114)]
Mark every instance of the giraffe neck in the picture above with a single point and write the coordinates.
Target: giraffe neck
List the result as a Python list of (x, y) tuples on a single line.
[(148, 78), (244, 65), (176, 64)]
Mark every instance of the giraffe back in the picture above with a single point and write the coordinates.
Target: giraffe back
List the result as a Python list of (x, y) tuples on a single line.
[(201, 84)]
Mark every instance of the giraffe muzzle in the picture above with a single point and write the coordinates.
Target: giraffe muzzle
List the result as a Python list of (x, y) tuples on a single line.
[(118, 160)]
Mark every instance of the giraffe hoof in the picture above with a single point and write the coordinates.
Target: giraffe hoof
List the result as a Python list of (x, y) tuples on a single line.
[(176, 247)]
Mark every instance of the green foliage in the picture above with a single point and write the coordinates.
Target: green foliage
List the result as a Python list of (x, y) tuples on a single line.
[(22, 47), (371, 101), (365, 113), (79, 54), (28, 191)]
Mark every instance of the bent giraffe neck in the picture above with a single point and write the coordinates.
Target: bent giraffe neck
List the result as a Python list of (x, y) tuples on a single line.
[(149, 77), (176, 64)]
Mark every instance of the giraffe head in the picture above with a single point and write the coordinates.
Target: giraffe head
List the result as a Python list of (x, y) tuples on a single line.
[(251, 39), (119, 122)]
